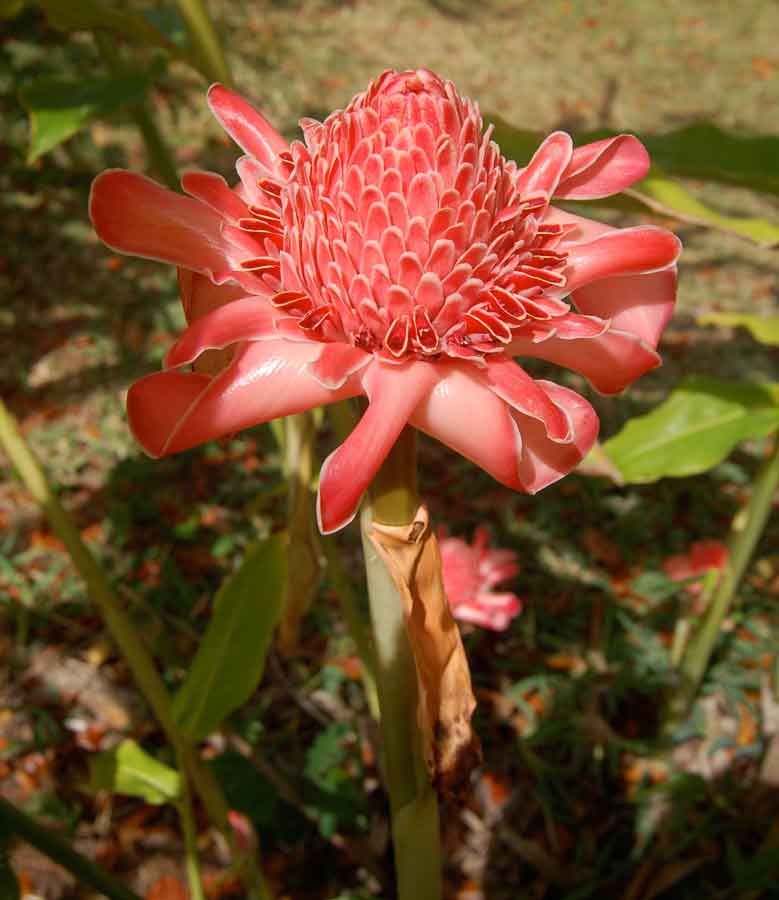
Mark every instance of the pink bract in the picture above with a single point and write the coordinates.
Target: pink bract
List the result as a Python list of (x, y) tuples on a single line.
[(470, 573), (394, 253)]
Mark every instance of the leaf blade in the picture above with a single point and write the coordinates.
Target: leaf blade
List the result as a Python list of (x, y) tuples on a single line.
[(230, 660), (695, 428), (129, 769), (60, 107)]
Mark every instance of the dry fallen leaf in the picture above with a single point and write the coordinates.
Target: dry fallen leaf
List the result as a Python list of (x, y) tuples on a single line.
[(446, 701)]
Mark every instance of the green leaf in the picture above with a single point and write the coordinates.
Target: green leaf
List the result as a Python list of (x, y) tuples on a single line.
[(128, 769), (694, 429), (89, 15), (669, 198), (229, 663), (59, 107), (763, 328)]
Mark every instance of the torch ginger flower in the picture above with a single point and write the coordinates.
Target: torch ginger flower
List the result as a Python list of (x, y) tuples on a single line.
[(470, 572), (394, 253)]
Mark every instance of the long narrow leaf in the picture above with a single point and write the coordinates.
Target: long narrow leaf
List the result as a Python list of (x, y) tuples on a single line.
[(230, 661), (667, 197)]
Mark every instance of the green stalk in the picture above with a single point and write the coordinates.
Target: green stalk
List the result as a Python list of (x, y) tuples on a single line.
[(21, 825), (413, 802), (160, 159), (205, 41), (746, 529), (189, 828), (304, 556), (343, 419), (127, 639)]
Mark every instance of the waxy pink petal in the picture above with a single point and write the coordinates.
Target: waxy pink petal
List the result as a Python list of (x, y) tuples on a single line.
[(247, 319), (610, 362), (215, 192), (512, 384), (247, 127), (545, 461), (266, 380), (543, 172), (473, 421), (135, 215), (603, 168), (394, 392), (641, 304), (336, 362), (199, 295), (627, 251)]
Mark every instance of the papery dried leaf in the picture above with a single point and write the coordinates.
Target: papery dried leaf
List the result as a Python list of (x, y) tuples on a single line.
[(446, 701)]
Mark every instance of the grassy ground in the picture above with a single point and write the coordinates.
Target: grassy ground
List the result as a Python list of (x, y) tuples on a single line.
[(568, 696)]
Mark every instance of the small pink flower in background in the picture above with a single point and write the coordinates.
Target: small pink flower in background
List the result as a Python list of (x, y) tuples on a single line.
[(702, 557), (470, 572), (394, 253)]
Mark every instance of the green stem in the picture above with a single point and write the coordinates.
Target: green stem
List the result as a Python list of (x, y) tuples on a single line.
[(204, 39), (127, 639), (343, 420), (747, 527), (304, 556), (189, 829), (160, 158), (413, 802), (86, 872)]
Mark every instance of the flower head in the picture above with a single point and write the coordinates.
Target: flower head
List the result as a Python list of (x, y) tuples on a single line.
[(395, 253), (470, 573)]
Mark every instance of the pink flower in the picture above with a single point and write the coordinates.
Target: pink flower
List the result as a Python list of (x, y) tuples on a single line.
[(470, 573), (702, 557), (395, 253)]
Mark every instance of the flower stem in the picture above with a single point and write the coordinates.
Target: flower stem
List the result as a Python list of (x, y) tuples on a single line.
[(745, 531), (413, 802), (127, 639), (18, 823), (190, 837), (304, 555), (205, 40)]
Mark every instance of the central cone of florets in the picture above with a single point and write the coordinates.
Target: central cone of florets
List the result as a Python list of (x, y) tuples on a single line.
[(405, 232)]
